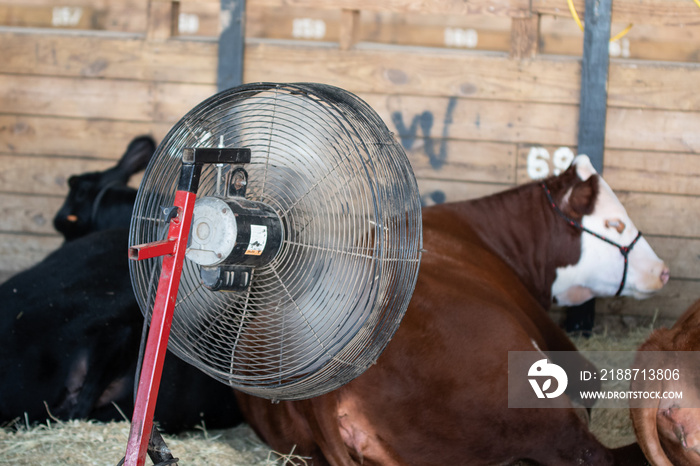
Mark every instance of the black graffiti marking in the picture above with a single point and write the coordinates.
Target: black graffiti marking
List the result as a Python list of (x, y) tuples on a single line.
[(433, 197), (425, 120)]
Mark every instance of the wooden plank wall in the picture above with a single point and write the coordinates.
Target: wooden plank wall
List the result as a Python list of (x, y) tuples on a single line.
[(482, 94)]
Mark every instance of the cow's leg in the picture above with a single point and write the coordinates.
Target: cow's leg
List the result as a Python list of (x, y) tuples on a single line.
[(630, 455), (360, 436), (309, 428), (556, 435), (562, 439), (555, 339)]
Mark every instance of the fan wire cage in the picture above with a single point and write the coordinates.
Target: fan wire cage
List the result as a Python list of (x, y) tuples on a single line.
[(322, 310)]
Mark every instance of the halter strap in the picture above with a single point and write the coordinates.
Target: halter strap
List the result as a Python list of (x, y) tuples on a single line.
[(624, 250)]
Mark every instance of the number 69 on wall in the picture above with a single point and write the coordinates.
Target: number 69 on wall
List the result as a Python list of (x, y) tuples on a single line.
[(539, 161)]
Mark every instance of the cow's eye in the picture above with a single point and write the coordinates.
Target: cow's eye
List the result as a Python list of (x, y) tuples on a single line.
[(616, 224)]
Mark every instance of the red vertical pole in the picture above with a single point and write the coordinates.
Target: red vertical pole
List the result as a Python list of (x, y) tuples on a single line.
[(173, 250)]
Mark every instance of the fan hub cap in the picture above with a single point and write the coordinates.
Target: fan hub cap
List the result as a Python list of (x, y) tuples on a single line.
[(233, 232), (214, 232)]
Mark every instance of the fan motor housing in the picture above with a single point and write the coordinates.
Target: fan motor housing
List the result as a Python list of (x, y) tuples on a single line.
[(231, 236)]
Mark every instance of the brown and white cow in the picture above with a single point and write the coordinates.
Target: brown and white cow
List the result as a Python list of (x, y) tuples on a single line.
[(438, 393), (669, 430)]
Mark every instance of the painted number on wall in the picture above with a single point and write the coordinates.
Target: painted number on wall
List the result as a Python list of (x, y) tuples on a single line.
[(539, 163), (620, 48), (308, 28), (188, 23), (66, 15), (458, 37)]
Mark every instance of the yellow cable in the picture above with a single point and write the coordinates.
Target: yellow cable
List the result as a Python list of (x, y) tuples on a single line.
[(622, 33), (572, 9), (619, 36), (697, 2)]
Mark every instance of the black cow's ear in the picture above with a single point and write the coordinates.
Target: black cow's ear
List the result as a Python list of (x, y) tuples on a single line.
[(583, 196), (137, 156)]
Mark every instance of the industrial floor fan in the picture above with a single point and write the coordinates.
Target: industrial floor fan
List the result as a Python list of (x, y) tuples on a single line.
[(275, 244)]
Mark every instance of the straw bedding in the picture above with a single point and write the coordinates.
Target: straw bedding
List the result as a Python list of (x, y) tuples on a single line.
[(80, 443)]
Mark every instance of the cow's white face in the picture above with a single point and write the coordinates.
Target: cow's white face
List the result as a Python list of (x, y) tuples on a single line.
[(600, 270)]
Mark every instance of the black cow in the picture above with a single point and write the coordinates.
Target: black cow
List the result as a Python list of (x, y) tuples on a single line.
[(70, 326)]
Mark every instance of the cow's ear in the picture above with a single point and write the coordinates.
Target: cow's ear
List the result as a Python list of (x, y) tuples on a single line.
[(583, 196)]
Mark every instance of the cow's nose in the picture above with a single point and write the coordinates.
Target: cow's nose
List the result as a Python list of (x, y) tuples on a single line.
[(665, 274)]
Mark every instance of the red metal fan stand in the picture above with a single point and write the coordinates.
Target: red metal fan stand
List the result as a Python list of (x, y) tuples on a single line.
[(173, 251)]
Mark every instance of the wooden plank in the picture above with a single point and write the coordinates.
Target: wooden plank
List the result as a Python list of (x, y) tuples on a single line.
[(106, 55), (658, 172), (394, 70), (513, 8), (458, 36), (21, 251), (654, 85), (391, 70), (382, 69), (46, 175), (456, 160), (681, 254), (81, 98), (201, 19), (113, 15), (663, 214), (100, 4), (349, 29), (495, 121), (162, 19), (659, 12), (436, 192), (174, 100), (32, 135), (42, 175), (524, 37), (28, 214), (667, 305), (100, 98), (477, 32), (625, 170), (561, 36), (70, 17), (660, 130)]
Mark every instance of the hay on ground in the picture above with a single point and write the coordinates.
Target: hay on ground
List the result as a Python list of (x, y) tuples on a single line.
[(83, 443), (79, 443)]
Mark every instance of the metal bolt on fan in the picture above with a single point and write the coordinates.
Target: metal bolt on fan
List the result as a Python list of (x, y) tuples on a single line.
[(300, 225)]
